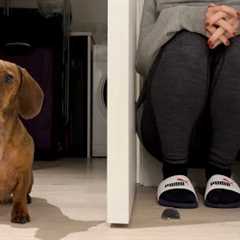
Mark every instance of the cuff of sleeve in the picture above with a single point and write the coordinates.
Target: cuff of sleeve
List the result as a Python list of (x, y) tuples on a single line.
[(193, 18), (237, 7)]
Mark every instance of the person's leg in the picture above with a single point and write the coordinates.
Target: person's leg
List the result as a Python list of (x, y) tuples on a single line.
[(150, 137), (151, 140), (225, 115), (225, 107), (177, 91)]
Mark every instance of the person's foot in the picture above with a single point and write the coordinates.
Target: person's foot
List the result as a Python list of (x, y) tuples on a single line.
[(221, 191), (176, 189)]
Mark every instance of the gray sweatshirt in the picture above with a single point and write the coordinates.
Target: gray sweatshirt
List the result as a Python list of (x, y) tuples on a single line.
[(162, 19)]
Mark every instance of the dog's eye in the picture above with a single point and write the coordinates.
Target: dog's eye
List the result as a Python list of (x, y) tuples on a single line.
[(8, 78)]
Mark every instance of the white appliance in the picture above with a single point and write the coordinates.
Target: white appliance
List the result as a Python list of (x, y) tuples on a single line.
[(99, 102)]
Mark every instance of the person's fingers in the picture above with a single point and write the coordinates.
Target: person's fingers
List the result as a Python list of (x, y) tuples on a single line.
[(216, 17), (228, 10), (236, 25), (215, 37), (235, 22), (216, 44), (227, 27), (222, 38)]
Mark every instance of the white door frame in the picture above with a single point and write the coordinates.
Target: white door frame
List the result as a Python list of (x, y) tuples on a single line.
[(121, 136)]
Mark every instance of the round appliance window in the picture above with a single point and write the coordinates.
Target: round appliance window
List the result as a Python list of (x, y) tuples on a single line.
[(102, 97)]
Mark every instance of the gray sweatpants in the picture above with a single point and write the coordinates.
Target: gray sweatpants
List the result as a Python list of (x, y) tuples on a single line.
[(189, 80)]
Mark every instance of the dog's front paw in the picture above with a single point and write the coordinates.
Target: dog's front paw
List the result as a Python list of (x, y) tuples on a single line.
[(19, 215), (21, 219)]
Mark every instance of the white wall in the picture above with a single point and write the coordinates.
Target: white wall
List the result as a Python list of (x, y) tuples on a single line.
[(90, 16), (88, 11)]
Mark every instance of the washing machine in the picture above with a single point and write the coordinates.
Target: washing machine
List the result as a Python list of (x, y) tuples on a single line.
[(99, 102)]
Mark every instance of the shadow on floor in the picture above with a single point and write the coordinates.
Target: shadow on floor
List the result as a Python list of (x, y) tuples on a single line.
[(50, 222), (147, 213)]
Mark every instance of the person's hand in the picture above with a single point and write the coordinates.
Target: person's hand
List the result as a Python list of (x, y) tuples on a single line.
[(222, 22)]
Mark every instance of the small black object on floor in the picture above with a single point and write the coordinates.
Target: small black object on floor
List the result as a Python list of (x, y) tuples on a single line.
[(170, 213)]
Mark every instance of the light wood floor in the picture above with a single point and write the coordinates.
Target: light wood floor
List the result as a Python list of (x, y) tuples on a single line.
[(69, 202)]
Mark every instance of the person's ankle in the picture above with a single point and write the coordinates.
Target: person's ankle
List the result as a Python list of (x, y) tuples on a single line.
[(170, 169), (213, 170)]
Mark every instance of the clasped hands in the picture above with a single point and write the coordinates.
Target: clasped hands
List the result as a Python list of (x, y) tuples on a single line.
[(222, 24)]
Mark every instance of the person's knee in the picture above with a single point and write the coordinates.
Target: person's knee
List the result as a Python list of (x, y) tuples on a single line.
[(188, 36), (232, 55), (235, 41), (187, 46)]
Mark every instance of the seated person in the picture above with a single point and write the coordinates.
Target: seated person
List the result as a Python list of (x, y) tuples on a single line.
[(189, 56)]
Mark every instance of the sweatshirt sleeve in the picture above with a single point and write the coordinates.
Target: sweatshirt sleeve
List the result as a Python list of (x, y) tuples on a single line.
[(192, 18), (237, 7), (154, 31), (146, 28), (159, 27)]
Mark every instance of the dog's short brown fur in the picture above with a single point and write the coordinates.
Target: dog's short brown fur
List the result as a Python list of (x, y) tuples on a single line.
[(21, 96)]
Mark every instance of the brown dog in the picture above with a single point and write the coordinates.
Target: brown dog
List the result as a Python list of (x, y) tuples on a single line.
[(19, 95)]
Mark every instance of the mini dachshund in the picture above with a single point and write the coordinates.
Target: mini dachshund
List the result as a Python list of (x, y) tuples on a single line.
[(20, 96)]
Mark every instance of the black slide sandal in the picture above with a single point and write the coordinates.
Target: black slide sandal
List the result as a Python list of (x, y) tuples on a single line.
[(177, 182), (221, 182)]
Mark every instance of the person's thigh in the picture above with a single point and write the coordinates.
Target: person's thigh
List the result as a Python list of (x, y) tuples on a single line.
[(184, 58), (181, 63), (225, 107)]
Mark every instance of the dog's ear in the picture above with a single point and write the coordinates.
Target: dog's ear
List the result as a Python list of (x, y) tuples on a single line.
[(30, 96)]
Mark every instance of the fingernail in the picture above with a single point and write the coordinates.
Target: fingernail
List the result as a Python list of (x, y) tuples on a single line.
[(211, 45)]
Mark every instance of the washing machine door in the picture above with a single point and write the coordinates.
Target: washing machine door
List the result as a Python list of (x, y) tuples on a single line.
[(102, 98), (99, 129)]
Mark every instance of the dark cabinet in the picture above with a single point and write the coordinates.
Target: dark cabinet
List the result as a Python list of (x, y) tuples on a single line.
[(80, 87), (46, 61)]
